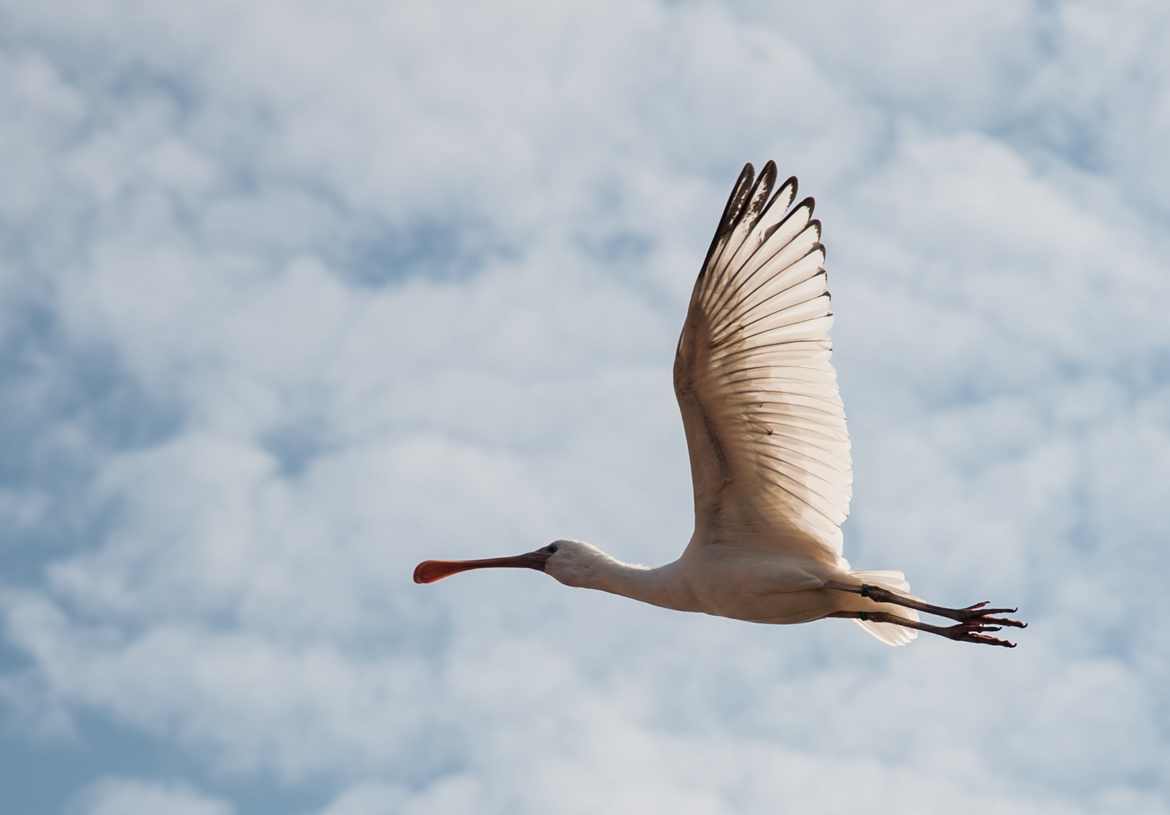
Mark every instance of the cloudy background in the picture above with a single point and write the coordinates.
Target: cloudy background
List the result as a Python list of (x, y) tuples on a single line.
[(292, 297)]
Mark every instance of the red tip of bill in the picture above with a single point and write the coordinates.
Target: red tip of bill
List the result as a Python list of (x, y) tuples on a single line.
[(431, 570)]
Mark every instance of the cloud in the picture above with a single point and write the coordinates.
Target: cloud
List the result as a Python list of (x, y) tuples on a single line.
[(295, 299), (127, 796)]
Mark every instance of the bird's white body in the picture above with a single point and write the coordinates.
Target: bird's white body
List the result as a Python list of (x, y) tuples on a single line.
[(740, 582), (769, 449)]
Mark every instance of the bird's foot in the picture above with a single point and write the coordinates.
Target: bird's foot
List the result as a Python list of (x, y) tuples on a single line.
[(980, 613), (977, 631)]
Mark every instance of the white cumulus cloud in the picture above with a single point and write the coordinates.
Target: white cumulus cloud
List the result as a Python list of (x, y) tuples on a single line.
[(294, 297)]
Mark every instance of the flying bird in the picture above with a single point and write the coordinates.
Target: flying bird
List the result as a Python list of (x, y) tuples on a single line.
[(769, 449)]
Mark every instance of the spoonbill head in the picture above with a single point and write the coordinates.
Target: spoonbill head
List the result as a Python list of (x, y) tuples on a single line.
[(571, 562)]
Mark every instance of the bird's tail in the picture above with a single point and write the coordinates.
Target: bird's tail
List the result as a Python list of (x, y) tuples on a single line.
[(889, 633)]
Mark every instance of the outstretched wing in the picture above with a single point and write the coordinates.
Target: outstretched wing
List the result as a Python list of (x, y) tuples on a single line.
[(764, 421)]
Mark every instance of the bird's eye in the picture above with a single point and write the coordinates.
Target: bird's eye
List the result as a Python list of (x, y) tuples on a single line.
[(551, 548)]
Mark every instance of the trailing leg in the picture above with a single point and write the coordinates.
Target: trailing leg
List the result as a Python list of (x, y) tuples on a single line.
[(974, 613), (969, 631)]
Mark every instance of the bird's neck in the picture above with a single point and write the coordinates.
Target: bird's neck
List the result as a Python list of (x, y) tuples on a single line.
[(665, 586)]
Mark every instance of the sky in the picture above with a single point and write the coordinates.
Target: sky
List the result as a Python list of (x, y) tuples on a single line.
[(295, 295)]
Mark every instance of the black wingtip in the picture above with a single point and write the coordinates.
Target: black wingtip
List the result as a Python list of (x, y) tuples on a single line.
[(738, 192)]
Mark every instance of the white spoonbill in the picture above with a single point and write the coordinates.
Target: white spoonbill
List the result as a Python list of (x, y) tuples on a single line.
[(769, 451)]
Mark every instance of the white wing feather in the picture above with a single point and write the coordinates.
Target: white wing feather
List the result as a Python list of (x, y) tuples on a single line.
[(765, 425)]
